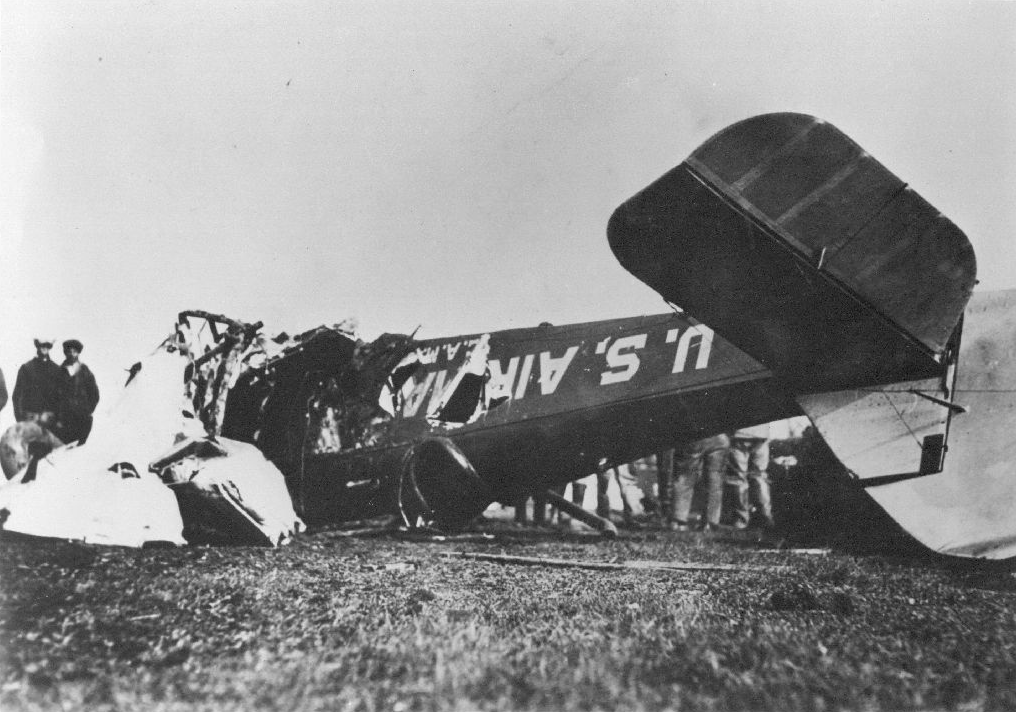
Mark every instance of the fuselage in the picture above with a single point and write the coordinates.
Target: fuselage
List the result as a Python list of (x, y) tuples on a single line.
[(556, 402)]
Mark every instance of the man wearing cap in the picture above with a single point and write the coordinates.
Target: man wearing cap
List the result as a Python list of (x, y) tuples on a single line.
[(37, 390), (80, 395)]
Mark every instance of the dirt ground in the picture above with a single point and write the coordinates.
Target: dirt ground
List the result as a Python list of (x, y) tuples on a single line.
[(404, 622)]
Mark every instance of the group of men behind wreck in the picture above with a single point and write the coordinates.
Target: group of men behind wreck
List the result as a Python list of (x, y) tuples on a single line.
[(52, 404), (702, 483), (733, 466)]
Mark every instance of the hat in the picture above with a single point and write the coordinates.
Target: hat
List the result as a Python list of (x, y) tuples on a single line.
[(43, 342), (73, 344)]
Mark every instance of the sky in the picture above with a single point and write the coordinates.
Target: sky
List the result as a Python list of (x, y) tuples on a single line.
[(443, 165)]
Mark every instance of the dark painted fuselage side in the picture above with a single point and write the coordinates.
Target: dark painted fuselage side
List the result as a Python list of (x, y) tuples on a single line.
[(576, 395)]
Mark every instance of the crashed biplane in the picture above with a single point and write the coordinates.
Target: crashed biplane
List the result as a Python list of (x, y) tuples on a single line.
[(834, 291), (819, 284)]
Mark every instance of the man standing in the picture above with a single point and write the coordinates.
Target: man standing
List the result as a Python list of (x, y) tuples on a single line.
[(665, 486), (748, 478), (81, 395), (627, 485), (700, 459), (37, 391)]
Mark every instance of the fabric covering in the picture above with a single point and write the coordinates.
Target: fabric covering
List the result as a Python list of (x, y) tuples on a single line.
[(104, 492), (74, 496), (236, 496)]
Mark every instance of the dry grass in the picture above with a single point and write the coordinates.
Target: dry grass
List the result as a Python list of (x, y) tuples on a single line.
[(338, 623)]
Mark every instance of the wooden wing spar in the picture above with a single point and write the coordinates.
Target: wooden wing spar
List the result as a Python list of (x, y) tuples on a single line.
[(800, 248)]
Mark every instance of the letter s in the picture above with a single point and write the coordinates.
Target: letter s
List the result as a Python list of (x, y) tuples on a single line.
[(621, 355)]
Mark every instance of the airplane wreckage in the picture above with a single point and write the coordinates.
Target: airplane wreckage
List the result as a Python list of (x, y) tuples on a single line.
[(820, 284)]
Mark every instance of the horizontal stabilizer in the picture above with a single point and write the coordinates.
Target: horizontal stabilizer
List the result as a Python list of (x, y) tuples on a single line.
[(788, 239)]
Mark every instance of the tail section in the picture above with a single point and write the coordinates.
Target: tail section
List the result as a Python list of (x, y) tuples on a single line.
[(790, 240), (967, 506), (793, 243)]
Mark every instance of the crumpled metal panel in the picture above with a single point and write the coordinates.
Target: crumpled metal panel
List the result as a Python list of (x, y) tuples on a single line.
[(790, 240)]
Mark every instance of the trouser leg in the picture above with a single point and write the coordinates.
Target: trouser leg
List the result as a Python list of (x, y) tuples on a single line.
[(602, 501), (628, 484), (687, 468), (649, 501), (761, 497), (714, 467), (578, 493), (521, 515), (758, 480), (665, 483), (539, 509), (737, 483)]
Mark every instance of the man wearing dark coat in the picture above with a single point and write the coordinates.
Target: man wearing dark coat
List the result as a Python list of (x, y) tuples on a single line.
[(37, 391), (80, 395)]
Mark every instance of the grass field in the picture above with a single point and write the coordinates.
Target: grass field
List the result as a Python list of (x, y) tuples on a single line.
[(391, 622)]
